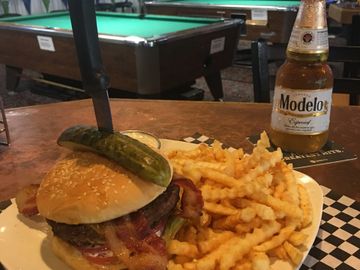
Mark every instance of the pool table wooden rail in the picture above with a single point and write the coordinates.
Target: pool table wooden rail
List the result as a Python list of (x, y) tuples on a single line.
[(277, 28), (145, 67)]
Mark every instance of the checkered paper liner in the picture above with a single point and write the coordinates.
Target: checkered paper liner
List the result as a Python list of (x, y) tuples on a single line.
[(337, 244)]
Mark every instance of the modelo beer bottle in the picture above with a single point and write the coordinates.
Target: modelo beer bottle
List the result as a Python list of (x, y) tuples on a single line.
[(303, 87)]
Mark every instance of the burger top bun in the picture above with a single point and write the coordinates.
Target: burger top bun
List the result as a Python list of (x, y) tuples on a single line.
[(72, 257), (87, 188)]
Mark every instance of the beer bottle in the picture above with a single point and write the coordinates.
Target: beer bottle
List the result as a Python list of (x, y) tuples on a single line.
[(303, 86)]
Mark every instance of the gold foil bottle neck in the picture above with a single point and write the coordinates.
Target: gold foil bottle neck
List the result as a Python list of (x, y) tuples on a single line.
[(311, 14), (309, 39)]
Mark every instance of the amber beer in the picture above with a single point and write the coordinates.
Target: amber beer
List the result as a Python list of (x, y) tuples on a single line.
[(303, 87)]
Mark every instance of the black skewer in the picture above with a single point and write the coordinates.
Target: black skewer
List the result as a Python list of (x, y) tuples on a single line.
[(95, 81)]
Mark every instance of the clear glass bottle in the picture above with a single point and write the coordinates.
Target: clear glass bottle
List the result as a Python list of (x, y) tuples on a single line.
[(303, 87)]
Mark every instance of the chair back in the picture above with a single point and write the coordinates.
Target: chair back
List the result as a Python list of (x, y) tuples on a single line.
[(262, 54), (349, 83), (4, 128)]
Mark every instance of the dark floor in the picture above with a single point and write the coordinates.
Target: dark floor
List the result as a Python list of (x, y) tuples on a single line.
[(23, 95), (237, 85)]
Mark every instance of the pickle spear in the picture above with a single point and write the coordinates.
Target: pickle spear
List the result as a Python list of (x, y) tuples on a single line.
[(131, 154)]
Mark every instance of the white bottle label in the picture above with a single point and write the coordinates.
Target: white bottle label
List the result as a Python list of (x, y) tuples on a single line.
[(306, 39), (302, 112)]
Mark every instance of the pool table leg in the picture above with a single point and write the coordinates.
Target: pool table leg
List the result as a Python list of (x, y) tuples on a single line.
[(12, 77), (214, 83)]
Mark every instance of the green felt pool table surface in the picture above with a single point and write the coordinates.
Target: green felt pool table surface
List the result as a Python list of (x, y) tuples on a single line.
[(260, 3), (119, 23)]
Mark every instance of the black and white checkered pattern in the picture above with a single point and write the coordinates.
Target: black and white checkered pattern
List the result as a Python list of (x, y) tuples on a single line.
[(198, 138), (337, 245)]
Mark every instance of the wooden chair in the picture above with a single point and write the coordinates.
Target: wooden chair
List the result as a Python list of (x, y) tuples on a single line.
[(262, 54), (123, 5), (3, 124)]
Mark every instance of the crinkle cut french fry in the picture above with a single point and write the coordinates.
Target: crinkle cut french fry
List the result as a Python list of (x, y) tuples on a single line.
[(267, 161), (251, 161), (180, 259), (221, 178), (229, 164), (190, 154), (264, 140), (260, 261), (219, 209), (265, 180), (182, 248), (243, 266), (190, 266), (291, 193), (219, 153), (228, 222), (211, 193), (202, 164), (263, 211), (205, 219), (186, 169), (213, 242), (242, 246), (305, 205), (279, 252), (173, 266), (279, 205), (277, 240), (248, 227), (297, 238), (294, 254), (279, 190)]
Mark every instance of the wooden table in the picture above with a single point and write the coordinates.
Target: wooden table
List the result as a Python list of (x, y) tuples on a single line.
[(34, 131)]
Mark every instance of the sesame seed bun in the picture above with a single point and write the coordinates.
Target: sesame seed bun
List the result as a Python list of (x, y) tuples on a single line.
[(73, 258), (87, 188)]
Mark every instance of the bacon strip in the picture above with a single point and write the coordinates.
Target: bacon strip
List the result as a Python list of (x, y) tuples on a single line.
[(26, 200), (134, 238), (191, 200), (101, 255), (136, 251)]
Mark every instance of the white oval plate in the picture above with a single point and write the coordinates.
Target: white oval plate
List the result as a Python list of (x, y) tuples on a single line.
[(24, 245)]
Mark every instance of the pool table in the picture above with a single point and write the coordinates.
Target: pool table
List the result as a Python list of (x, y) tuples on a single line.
[(146, 56), (269, 19)]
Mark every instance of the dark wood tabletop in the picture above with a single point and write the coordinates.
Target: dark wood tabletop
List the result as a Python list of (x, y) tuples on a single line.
[(34, 131)]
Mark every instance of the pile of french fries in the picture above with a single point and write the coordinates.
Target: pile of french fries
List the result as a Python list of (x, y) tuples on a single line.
[(254, 210)]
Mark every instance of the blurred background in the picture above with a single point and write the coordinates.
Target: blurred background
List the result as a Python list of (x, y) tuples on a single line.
[(237, 80)]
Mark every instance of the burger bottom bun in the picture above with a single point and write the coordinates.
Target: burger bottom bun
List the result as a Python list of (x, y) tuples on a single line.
[(73, 258)]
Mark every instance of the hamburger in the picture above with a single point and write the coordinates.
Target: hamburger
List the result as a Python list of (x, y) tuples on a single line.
[(103, 216)]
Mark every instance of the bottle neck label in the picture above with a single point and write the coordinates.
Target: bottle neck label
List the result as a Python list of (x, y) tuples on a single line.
[(301, 112), (307, 40)]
